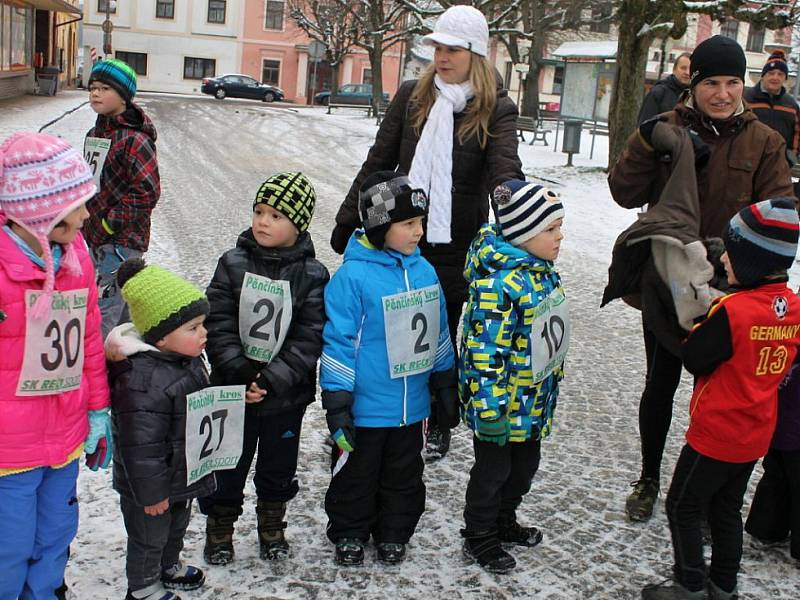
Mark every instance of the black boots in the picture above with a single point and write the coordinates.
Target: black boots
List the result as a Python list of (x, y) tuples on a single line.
[(391, 552), (270, 530), (349, 552), (511, 532), (485, 547), (219, 535)]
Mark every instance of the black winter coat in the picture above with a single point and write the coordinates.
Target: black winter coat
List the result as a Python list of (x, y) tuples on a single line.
[(663, 97), (780, 112), (148, 410), (291, 377), (476, 172)]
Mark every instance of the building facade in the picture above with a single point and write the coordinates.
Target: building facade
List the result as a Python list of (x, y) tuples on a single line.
[(171, 44)]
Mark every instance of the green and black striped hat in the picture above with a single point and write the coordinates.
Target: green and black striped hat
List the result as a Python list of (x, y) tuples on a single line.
[(292, 195)]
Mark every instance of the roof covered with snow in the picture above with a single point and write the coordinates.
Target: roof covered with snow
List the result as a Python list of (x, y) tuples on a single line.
[(604, 49)]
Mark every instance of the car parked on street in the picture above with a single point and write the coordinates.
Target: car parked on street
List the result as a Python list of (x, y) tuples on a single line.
[(240, 86), (352, 93)]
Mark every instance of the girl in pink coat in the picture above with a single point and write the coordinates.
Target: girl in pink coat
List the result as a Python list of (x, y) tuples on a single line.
[(53, 390)]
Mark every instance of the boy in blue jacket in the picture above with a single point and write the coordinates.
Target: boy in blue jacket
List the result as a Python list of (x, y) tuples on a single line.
[(386, 351)]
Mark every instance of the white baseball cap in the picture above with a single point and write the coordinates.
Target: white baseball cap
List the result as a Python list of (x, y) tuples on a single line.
[(461, 26)]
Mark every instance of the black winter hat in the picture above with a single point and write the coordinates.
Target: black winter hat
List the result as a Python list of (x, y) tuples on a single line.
[(387, 197), (761, 239), (718, 55)]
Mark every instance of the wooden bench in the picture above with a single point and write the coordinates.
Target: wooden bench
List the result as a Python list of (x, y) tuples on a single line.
[(333, 104), (530, 124)]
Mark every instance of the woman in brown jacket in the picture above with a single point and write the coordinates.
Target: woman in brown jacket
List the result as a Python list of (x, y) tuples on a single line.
[(745, 164), (467, 124)]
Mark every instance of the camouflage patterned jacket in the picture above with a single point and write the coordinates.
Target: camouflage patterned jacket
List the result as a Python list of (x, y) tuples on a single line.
[(516, 332)]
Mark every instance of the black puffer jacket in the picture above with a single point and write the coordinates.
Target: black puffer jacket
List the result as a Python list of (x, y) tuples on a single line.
[(148, 411), (476, 172), (290, 378)]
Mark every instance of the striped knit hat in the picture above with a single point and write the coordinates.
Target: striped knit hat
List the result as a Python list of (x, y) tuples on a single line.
[(777, 60), (118, 75), (525, 209), (292, 195), (761, 239), (42, 180), (159, 300)]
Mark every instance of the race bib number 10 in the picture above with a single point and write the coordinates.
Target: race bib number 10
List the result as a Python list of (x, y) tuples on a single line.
[(214, 430), (549, 335), (53, 360), (411, 322), (95, 151), (265, 311)]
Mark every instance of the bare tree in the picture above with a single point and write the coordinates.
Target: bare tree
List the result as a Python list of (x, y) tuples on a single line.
[(326, 22), (642, 21)]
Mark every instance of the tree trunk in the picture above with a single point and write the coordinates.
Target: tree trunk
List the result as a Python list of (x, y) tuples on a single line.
[(375, 60), (530, 104), (629, 83)]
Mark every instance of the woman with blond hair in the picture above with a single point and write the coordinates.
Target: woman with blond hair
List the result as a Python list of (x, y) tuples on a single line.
[(454, 132)]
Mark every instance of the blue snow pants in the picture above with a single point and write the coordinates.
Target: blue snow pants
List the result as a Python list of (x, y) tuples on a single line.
[(38, 520)]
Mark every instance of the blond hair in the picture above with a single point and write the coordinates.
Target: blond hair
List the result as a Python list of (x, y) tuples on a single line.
[(478, 112)]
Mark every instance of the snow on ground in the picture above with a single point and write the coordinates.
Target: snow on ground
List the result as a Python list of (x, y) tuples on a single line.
[(213, 155)]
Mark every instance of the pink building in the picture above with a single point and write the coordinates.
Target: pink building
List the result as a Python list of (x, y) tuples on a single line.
[(275, 51)]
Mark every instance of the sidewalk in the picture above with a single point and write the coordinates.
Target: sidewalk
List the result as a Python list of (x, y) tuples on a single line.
[(29, 112)]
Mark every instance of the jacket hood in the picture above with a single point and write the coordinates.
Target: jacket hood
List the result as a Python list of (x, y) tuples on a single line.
[(490, 252), (359, 248), (303, 248), (720, 127), (132, 118), (124, 341), (673, 83)]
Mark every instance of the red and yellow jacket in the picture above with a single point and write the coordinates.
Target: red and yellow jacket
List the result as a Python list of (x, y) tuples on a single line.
[(740, 353)]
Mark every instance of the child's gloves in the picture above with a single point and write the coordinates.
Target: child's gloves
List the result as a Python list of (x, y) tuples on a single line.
[(444, 397), (340, 421), (98, 445), (496, 430)]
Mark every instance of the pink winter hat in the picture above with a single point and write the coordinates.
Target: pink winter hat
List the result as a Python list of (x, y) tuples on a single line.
[(42, 180)]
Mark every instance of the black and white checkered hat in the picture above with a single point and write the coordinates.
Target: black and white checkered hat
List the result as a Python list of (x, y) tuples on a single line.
[(387, 197)]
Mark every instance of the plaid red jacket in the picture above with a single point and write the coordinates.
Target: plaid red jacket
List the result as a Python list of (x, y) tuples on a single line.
[(129, 182)]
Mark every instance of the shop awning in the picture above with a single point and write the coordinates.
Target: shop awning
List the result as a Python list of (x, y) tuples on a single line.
[(54, 5)]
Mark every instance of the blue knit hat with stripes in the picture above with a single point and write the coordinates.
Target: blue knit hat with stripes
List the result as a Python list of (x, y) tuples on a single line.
[(525, 209), (117, 74), (761, 239)]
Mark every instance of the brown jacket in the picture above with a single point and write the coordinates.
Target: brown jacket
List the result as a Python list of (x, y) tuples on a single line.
[(476, 172), (747, 165)]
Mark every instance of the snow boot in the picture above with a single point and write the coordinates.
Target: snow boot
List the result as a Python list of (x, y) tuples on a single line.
[(715, 593), (670, 589), (640, 503), (155, 591), (219, 535), (182, 577), (437, 443), (485, 547), (511, 532), (349, 552), (273, 545), (391, 552)]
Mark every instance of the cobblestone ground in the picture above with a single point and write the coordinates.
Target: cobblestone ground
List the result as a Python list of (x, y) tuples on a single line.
[(213, 156)]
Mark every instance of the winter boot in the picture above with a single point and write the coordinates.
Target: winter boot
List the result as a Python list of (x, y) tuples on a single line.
[(349, 552), (639, 505), (152, 592), (219, 535), (391, 552), (484, 547), (511, 532), (273, 546), (437, 443), (671, 590), (182, 577), (715, 593)]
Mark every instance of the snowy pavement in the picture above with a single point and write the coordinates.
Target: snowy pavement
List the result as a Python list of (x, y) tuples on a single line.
[(213, 156)]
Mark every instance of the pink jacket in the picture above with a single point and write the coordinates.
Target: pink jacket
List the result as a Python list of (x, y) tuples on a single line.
[(40, 431)]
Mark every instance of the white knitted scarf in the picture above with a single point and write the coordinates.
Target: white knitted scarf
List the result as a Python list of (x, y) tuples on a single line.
[(432, 166)]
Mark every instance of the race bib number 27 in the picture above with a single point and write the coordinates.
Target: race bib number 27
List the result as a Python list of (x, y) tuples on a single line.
[(53, 360)]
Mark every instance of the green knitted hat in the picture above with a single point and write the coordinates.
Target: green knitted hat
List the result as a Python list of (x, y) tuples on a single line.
[(292, 195), (159, 301)]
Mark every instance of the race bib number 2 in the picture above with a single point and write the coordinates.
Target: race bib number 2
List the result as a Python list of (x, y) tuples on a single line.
[(53, 360), (411, 323), (214, 430)]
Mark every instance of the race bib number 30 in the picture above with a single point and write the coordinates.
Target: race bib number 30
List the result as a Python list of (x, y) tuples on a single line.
[(265, 311), (53, 360), (95, 151), (214, 430), (550, 334), (411, 321)]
